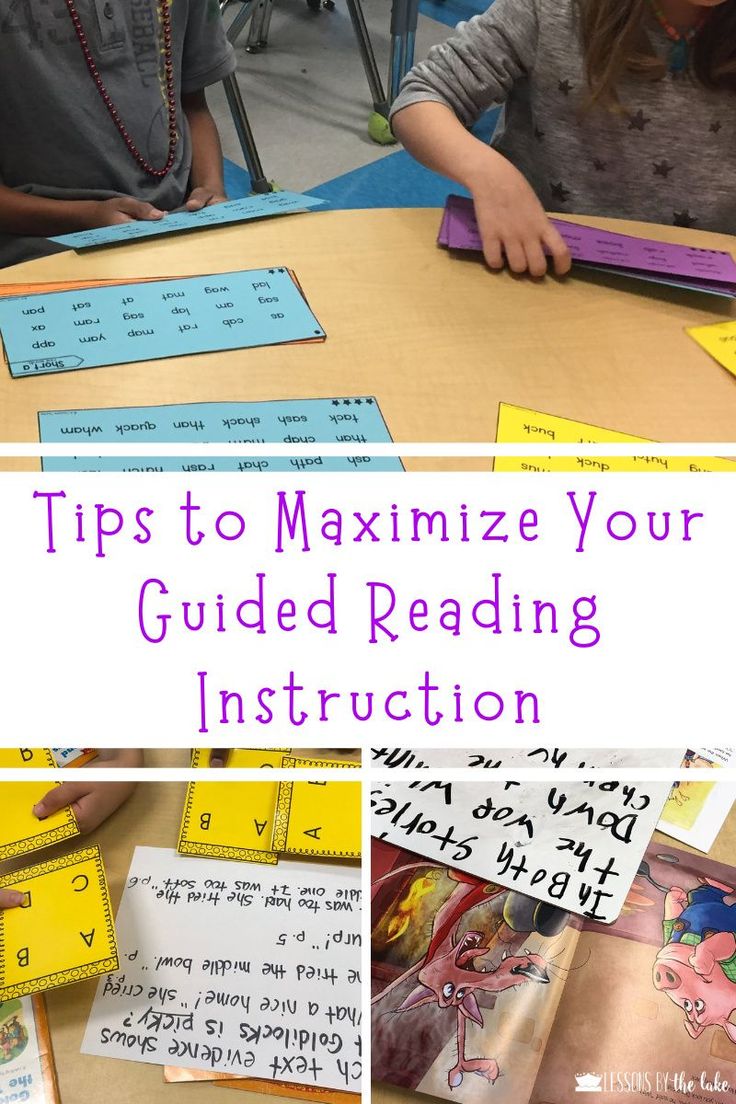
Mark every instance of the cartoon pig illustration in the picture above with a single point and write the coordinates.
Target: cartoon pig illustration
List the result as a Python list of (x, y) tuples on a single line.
[(696, 968)]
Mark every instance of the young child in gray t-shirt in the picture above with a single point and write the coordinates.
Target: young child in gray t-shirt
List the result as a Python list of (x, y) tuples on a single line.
[(624, 108), (103, 116)]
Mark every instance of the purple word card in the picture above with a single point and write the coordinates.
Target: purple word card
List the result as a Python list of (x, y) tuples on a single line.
[(709, 270)]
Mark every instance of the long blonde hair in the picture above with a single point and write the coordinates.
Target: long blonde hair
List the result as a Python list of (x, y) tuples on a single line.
[(614, 39)]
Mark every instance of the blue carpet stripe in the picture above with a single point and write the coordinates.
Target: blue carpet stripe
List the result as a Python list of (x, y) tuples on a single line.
[(451, 12)]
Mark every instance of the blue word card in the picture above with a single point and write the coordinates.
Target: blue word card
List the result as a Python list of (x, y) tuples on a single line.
[(352, 421), (220, 214), (64, 330)]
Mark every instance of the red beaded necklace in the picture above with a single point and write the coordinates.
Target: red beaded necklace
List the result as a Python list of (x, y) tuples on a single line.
[(107, 100)]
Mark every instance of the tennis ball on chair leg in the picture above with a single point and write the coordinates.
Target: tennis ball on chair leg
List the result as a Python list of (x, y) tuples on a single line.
[(379, 130)]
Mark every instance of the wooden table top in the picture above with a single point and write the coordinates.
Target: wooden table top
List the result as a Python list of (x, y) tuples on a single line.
[(439, 340)]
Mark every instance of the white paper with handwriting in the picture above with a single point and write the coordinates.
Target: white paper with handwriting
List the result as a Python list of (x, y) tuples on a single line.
[(578, 845), (549, 758), (235, 967)]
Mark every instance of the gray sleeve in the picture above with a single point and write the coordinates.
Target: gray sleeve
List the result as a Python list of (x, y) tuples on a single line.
[(476, 68), (208, 56)]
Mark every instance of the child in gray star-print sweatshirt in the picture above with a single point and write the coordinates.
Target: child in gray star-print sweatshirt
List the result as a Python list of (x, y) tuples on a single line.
[(664, 151)]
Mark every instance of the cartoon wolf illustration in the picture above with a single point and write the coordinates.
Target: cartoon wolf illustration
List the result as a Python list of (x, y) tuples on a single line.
[(696, 967), (450, 974)]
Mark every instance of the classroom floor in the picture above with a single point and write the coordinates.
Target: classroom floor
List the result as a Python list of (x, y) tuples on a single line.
[(308, 103)]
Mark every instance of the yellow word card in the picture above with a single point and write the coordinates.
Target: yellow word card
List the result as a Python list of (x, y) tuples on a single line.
[(318, 818), (26, 757), (517, 425), (223, 820), (242, 757), (21, 830), (239, 820), (229, 820), (720, 341), (64, 931)]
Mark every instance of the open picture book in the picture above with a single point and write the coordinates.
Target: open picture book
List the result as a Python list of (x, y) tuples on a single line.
[(480, 993)]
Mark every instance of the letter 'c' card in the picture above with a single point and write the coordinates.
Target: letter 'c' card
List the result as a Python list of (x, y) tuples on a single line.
[(318, 818), (64, 932), (20, 830)]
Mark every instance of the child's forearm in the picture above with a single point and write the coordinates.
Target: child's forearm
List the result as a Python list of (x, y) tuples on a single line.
[(513, 226), (434, 135), (38, 217), (207, 166)]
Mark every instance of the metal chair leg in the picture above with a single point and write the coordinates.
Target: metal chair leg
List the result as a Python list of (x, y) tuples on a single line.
[(266, 27), (380, 103), (404, 18), (251, 43), (258, 181), (244, 14)]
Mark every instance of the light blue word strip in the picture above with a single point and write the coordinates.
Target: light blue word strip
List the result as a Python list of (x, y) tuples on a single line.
[(349, 421), (65, 330), (220, 214)]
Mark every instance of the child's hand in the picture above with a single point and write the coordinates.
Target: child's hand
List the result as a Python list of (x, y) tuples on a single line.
[(91, 802), (111, 212), (513, 222), (204, 197), (10, 898)]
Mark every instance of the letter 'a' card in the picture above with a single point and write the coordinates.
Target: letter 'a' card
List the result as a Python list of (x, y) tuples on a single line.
[(319, 819), (64, 932), (20, 830)]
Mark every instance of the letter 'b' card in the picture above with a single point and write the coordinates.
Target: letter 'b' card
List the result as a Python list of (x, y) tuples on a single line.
[(63, 933)]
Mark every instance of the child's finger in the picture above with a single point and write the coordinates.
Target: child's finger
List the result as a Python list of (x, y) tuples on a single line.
[(59, 797), (10, 898), (218, 757), (492, 251), (559, 252), (137, 209), (535, 258), (199, 198), (515, 256), (99, 801), (90, 810)]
